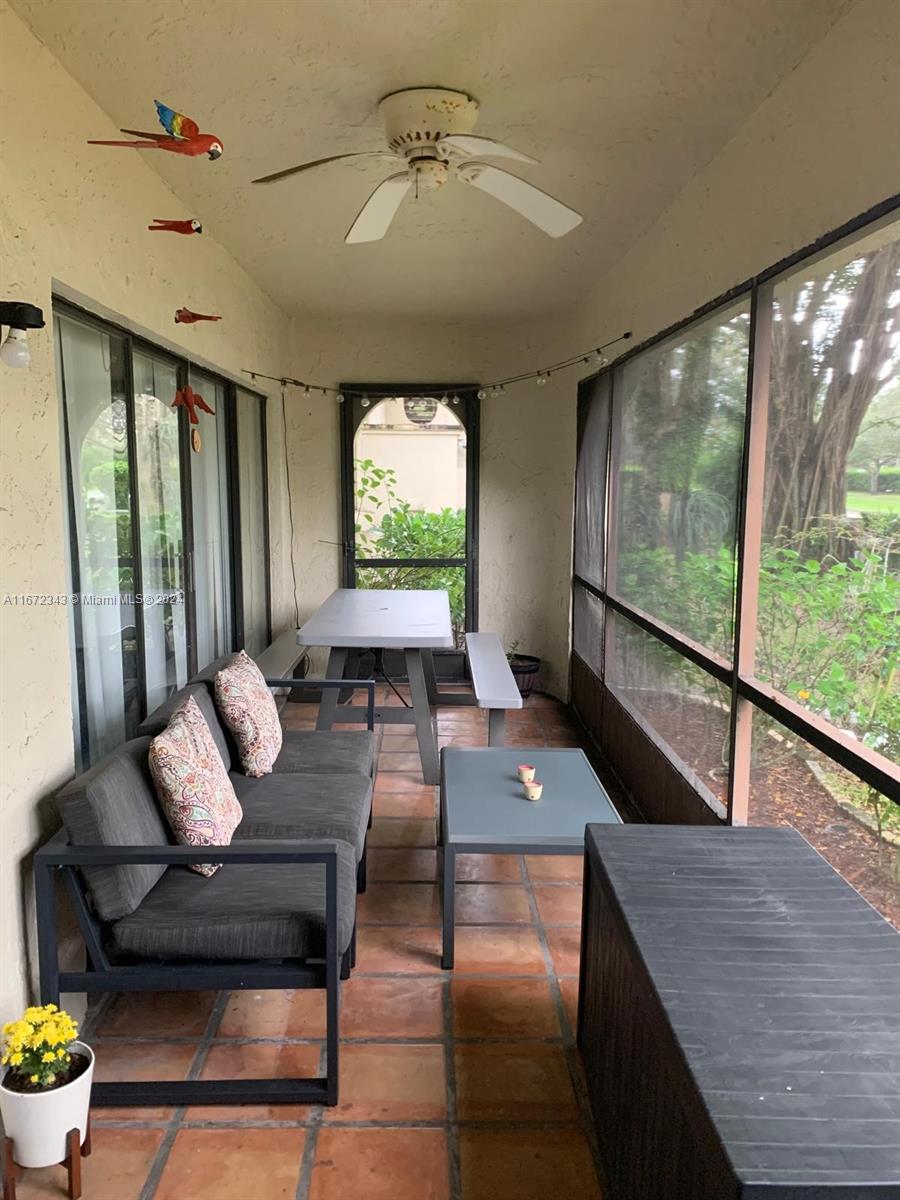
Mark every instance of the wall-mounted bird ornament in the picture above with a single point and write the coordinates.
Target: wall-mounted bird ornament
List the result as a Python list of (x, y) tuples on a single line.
[(160, 225), (184, 316), (182, 136), (187, 398)]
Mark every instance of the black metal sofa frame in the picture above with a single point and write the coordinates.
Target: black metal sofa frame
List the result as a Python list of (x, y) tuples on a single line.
[(58, 857)]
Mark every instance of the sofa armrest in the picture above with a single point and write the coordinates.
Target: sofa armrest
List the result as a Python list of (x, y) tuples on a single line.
[(59, 852), (368, 684)]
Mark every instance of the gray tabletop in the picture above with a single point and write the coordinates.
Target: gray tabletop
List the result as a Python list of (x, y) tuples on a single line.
[(482, 798), (401, 620)]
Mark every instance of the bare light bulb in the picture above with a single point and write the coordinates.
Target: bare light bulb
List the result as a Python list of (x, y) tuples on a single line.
[(340, 397), (14, 352), (542, 379), (482, 394)]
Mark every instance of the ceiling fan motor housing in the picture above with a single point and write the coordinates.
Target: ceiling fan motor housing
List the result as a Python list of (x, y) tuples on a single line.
[(415, 119)]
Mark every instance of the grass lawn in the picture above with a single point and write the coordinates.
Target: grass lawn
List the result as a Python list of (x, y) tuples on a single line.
[(864, 502)]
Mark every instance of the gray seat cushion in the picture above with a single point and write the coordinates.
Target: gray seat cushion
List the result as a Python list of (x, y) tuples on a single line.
[(243, 911), (315, 752), (304, 806), (114, 804), (160, 717)]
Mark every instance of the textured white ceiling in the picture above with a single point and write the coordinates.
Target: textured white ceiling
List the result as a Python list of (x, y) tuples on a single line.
[(621, 100)]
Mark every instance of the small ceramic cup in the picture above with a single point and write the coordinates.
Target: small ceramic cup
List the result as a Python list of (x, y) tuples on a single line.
[(525, 772), (532, 789)]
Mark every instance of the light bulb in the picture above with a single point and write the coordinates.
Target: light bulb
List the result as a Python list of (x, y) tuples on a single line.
[(482, 394), (14, 352), (366, 401), (542, 379), (454, 399), (600, 359), (340, 397)]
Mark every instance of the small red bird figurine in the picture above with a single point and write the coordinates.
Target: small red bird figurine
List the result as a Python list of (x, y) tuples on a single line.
[(184, 316), (162, 225), (182, 136), (187, 398)]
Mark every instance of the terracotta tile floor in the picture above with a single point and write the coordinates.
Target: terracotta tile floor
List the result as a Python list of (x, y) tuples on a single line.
[(460, 1085)]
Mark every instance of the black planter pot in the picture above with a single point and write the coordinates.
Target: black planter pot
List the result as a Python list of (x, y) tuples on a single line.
[(525, 669)]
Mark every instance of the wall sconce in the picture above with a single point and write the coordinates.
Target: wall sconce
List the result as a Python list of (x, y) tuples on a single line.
[(19, 317)]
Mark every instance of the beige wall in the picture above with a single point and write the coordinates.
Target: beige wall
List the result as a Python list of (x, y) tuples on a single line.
[(75, 216)]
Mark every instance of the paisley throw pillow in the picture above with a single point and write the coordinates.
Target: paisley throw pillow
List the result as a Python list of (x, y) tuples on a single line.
[(248, 709), (194, 790)]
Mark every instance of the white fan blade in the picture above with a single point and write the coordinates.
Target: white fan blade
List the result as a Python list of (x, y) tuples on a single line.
[(319, 162), (379, 210), (470, 143), (549, 214)]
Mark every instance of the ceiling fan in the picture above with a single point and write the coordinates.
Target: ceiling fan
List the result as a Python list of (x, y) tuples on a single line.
[(429, 130)]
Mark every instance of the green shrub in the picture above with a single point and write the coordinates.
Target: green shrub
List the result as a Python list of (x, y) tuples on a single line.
[(889, 480), (857, 480)]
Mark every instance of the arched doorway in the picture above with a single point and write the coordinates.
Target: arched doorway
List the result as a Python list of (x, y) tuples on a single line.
[(410, 488)]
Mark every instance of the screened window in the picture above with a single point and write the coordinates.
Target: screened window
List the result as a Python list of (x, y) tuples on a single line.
[(680, 421), (751, 602)]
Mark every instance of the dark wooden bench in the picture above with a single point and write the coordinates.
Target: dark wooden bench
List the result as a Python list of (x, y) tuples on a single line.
[(739, 1019)]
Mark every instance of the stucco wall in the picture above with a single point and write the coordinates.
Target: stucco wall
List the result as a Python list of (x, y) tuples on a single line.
[(77, 215)]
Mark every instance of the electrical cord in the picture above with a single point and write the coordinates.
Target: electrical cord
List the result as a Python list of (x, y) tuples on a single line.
[(379, 670), (290, 498)]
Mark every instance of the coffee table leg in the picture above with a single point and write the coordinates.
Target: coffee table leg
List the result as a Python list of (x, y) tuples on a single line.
[(448, 914)]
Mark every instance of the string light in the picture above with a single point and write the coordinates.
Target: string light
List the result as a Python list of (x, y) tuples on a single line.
[(494, 390)]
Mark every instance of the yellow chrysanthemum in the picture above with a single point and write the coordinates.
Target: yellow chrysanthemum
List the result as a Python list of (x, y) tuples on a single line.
[(33, 1078), (48, 1056), (16, 1058)]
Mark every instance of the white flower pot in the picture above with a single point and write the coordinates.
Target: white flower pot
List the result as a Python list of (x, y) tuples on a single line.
[(38, 1122)]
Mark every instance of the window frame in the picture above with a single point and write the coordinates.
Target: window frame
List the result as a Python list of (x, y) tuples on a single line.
[(184, 366), (747, 691)]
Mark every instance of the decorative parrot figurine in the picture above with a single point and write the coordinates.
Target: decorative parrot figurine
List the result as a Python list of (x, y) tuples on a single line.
[(182, 136), (187, 398), (184, 316), (164, 226)]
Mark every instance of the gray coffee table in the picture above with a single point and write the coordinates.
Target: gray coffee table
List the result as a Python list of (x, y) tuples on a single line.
[(483, 811)]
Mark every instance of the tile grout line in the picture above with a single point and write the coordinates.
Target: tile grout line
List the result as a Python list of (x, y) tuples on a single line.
[(311, 1143), (570, 1049), (176, 1123)]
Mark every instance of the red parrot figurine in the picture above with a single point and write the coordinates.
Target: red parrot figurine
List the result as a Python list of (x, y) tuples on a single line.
[(182, 136), (184, 316), (164, 226), (187, 398)]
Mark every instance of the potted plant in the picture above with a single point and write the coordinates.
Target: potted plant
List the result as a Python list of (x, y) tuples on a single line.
[(45, 1090), (524, 667)]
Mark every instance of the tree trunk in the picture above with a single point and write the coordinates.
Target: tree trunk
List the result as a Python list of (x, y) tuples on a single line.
[(821, 388)]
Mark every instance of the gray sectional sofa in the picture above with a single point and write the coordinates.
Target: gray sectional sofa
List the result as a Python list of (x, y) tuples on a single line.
[(281, 911)]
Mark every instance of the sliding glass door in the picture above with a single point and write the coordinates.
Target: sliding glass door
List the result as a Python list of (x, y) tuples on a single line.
[(91, 364), (162, 526), (167, 537), (211, 556)]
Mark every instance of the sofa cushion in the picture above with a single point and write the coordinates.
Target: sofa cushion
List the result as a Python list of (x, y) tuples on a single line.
[(305, 806), (248, 709), (202, 693), (249, 911), (193, 786), (114, 804), (318, 752)]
